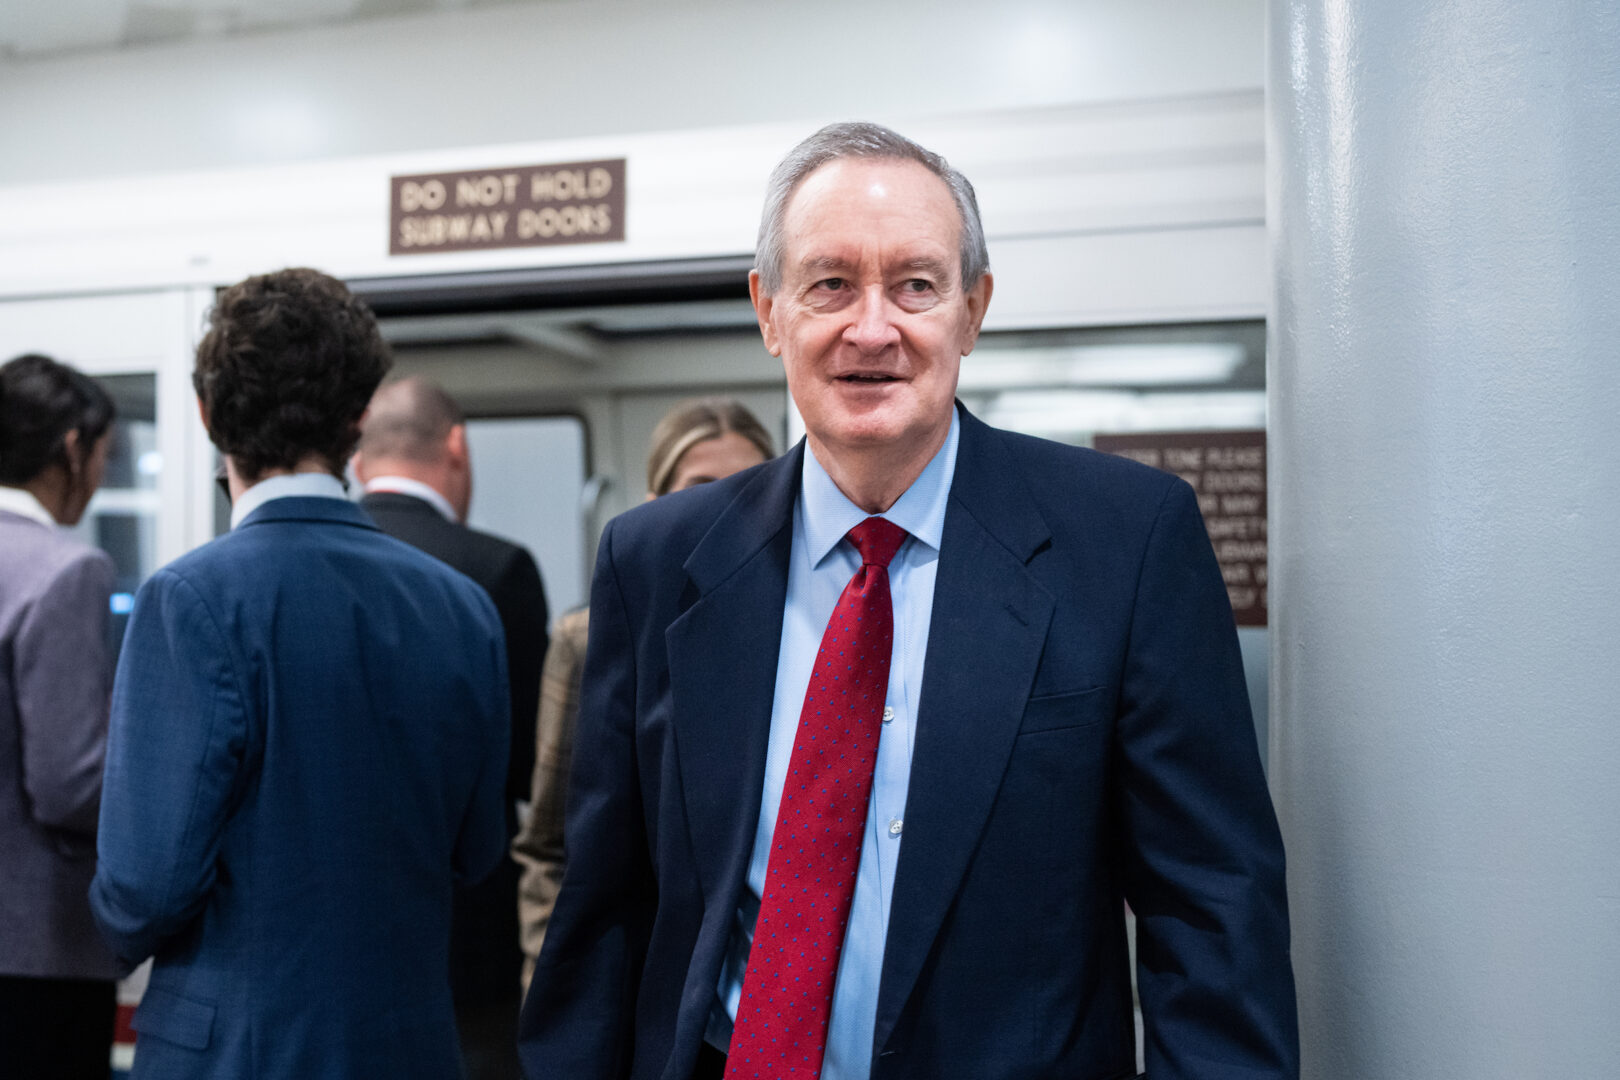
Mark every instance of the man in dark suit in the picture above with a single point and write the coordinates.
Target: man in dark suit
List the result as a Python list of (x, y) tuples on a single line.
[(1031, 675), (308, 737), (414, 463)]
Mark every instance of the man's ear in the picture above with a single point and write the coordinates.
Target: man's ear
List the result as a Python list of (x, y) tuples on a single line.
[(763, 305), (455, 445), (978, 302)]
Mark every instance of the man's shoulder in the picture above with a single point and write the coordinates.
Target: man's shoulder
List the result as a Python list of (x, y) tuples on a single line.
[(221, 555), (1068, 471), (1082, 495), (409, 568), (483, 556), (411, 519), (668, 528), (494, 550), (218, 565), (1045, 459)]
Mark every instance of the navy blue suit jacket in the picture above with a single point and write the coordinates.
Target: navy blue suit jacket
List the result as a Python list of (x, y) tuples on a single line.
[(307, 748), (1083, 738)]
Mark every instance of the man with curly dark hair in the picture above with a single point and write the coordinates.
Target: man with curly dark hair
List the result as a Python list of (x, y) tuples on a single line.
[(285, 372), (308, 740)]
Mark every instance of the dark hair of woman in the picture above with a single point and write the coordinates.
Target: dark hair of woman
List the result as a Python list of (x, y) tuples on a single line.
[(41, 402), (286, 370)]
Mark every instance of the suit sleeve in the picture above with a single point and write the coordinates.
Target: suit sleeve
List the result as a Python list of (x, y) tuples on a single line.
[(578, 1017), (482, 838), (63, 679), (1202, 852), (520, 598), (175, 754)]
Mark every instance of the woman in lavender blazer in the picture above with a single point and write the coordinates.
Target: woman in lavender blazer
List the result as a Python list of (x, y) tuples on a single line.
[(56, 976)]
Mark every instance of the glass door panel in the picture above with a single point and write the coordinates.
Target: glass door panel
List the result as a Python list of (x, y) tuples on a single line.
[(122, 518)]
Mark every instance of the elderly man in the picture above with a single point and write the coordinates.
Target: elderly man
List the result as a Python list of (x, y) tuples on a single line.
[(877, 739), (308, 738), (417, 471)]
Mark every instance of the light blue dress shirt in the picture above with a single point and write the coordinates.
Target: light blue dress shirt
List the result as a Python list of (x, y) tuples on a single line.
[(820, 565)]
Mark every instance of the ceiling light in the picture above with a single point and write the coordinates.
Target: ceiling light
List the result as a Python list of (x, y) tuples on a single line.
[(1083, 412), (1157, 364)]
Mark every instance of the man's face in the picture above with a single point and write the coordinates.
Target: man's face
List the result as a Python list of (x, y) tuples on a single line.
[(871, 320)]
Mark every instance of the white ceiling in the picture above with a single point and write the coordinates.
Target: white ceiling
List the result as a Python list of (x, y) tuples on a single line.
[(31, 29)]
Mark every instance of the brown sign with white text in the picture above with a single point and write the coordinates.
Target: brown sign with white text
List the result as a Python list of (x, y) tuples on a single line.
[(578, 202), (1228, 471)]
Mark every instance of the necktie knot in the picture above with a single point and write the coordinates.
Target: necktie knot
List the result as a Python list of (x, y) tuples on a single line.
[(877, 539)]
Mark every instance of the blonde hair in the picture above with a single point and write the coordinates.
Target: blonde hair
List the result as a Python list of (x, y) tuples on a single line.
[(693, 422)]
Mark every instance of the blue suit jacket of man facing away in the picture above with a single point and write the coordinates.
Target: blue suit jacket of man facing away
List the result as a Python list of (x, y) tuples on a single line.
[(308, 748)]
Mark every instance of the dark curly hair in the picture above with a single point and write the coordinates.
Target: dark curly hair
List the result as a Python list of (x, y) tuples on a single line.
[(286, 369), (40, 402)]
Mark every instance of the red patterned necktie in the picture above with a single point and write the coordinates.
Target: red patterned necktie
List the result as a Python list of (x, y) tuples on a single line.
[(781, 1028)]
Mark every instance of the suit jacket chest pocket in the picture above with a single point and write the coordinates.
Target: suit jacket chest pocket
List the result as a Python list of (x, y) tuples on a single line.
[(1058, 769), (1057, 712), (1050, 810)]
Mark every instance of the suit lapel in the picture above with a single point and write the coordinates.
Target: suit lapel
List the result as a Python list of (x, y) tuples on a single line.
[(985, 637), (722, 673)]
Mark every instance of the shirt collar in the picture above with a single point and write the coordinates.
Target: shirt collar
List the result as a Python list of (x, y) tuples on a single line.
[(405, 485), (828, 513), (21, 502), (307, 485)]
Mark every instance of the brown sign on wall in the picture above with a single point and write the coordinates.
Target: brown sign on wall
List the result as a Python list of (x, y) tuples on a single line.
[(576, 202), (1228, 471)]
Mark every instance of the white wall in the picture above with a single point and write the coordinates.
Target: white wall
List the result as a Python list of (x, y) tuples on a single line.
[(578, 68), (1117, 145), (1115, 213)]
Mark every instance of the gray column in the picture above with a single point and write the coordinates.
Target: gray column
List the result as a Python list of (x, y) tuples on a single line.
[(1445, 534)]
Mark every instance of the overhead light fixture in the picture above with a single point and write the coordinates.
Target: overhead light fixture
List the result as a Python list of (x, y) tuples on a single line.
[(1083, 412), (1149, 364), (685, 315)]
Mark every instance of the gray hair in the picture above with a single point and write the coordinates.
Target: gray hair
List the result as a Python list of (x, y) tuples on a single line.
[(861, 140)]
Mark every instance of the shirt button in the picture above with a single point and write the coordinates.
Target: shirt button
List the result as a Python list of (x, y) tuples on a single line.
[(888, 714), (895, 825)]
